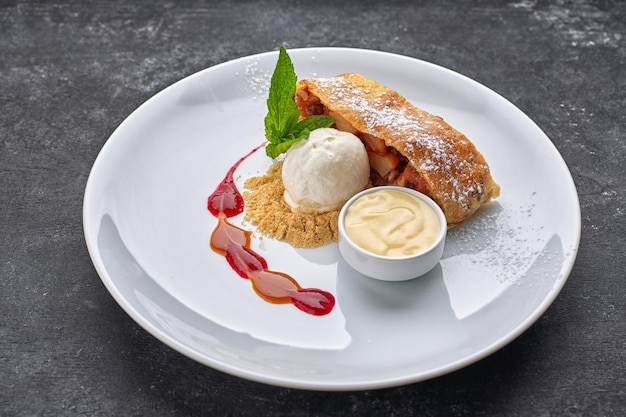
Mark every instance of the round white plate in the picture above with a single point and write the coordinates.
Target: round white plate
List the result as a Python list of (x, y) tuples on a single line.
[(147, 230)]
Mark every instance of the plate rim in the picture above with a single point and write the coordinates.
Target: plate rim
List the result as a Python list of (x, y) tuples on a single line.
[(555, 288)]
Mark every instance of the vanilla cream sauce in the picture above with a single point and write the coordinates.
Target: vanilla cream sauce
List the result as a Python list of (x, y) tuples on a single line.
[(392, 223)]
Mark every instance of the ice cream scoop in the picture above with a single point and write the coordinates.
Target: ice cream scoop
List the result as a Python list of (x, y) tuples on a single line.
[(322, 172)]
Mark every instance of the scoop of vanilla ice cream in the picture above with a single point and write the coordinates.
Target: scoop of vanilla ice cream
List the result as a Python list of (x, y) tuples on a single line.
[(325, 170)]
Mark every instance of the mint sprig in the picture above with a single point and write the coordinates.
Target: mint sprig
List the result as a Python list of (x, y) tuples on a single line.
[(282, 128)]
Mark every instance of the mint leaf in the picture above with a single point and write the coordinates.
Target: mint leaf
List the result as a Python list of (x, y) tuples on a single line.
[(311, 123), (299, 132), (274, 149), (282, 111), (282, 128)]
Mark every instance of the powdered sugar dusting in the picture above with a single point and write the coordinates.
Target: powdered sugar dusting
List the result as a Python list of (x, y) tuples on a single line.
[(258, 80), (499, 247), (416, 133)]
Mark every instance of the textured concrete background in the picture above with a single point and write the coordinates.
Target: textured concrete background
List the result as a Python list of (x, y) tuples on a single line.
[(70, 72)]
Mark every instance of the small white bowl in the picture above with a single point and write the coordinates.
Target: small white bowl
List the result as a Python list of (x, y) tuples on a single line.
[(389, 268)]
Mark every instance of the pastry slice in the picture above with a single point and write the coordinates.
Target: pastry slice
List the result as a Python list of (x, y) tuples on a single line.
[(406, 146)]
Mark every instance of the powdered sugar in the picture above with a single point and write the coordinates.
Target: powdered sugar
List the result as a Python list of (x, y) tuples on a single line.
[(258, 80), (429, 143)]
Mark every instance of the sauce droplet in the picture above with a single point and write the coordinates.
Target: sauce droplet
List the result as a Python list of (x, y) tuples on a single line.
[(234, 244)]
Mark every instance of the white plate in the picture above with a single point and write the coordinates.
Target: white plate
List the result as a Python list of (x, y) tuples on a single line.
[(147, 230)]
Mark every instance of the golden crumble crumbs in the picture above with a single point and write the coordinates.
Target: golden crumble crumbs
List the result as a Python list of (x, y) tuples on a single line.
[(272, 216)]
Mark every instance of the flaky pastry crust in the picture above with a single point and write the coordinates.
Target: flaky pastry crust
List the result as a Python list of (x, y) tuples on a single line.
[(406, 146)]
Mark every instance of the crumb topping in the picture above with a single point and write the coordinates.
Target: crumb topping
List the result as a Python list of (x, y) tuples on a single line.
[(272, 216)]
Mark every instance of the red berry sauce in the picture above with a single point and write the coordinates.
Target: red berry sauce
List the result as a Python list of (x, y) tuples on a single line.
[(234, 243)]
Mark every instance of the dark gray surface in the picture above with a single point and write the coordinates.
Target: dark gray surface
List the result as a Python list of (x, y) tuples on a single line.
[(70, 72)]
